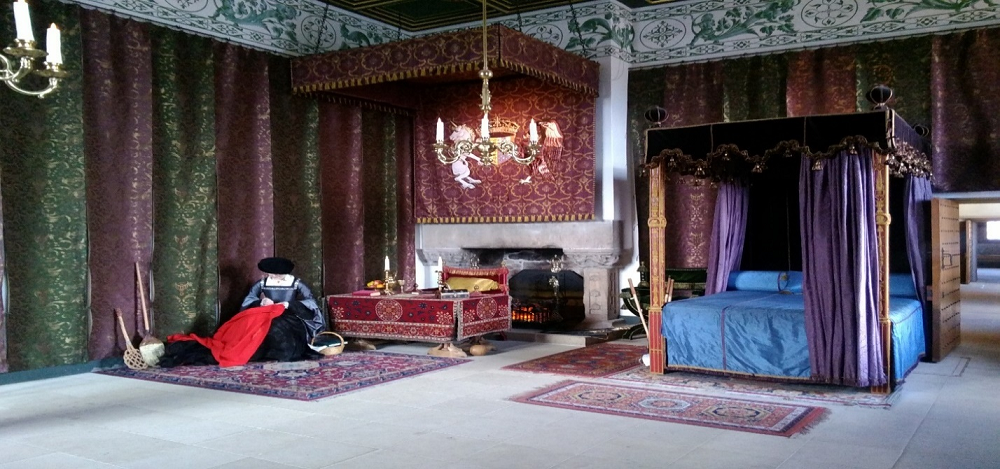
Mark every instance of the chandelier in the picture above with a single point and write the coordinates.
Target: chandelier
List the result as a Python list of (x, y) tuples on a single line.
[(24, 53), (485, 149)]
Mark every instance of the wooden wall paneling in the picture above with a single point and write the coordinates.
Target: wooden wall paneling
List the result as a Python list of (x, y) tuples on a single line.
[(946, 278)]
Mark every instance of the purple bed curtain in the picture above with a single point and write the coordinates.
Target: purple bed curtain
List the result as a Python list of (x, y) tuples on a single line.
[(915, 219), (728, 232), (840, 264)]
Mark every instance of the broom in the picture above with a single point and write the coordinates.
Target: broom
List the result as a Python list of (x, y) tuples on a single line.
[(133, 358), (150, 347)]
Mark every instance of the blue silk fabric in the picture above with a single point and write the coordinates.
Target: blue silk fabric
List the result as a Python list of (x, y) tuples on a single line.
[(764, 334)]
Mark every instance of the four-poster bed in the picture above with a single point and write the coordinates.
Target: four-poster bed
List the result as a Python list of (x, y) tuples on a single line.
[(831, 312)]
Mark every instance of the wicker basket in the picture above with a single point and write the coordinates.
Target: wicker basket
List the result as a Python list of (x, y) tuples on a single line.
[(329, 349)]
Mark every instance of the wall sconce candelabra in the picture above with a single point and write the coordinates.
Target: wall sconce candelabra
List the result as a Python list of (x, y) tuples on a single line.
[(24, 54), (483, 149)]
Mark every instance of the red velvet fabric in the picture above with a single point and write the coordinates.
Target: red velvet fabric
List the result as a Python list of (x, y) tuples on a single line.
[(237, 340)]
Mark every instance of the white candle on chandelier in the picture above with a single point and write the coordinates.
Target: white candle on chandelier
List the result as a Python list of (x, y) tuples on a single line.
[(22, 20), (53, 45), (439, 132), (386, 263), (484, 127), (533, 131)]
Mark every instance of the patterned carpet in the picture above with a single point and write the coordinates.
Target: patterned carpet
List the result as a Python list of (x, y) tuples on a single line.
[(305, 380), (590, 362), (769, 418), (738, 387)]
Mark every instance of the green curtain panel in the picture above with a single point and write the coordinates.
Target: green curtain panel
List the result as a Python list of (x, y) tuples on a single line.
[(379, 172), (645, 90), (45, 231), (295, 157), (754, 88), (903, 65), (185, 252)]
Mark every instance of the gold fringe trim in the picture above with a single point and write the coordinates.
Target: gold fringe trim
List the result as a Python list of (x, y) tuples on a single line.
[(506, 219)]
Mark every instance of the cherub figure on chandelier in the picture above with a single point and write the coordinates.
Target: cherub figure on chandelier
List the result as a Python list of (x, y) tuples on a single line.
[(460, 168)]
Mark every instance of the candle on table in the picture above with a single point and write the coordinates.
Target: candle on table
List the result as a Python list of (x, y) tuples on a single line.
[(440, 264), (53, 45), (386, 263), (22, 20)]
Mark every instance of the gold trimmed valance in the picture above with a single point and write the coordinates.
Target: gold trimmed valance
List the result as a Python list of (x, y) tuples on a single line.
[(456, 53)]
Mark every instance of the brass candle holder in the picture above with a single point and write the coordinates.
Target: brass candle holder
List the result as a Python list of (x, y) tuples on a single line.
[(391, 285)]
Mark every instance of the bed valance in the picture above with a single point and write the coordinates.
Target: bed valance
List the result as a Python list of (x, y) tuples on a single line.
[(451, 56), (733, 150)]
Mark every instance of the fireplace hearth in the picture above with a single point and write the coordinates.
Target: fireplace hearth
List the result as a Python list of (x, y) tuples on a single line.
[(589, 251), (547, 300)]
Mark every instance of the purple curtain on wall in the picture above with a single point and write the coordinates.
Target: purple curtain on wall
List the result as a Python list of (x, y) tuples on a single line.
[(244, 170), (840, 261), (405, 221), (693, 94), (727, 235), (118, 128), (965, 75), (342, 191), (917, 222)]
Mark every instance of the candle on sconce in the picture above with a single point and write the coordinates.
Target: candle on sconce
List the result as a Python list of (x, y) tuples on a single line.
[(53, 45), (484, 127), (439, 132), (386, 263), (533, 131), (22, 20)]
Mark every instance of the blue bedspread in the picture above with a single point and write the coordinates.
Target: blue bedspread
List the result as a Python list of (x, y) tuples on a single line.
[(764, 334)]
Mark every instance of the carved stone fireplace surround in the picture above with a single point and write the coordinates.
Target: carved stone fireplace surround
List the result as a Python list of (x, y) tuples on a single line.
[(590, 248)]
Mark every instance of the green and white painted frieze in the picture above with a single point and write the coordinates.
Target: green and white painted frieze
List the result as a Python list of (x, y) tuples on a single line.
[(286, 27), (705, 30), (676, 32)]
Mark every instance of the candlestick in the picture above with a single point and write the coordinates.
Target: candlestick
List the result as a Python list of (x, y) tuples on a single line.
[(53, 45), (22, 20)]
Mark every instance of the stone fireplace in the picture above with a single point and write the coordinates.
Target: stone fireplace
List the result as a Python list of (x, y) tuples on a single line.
[(589, 248)]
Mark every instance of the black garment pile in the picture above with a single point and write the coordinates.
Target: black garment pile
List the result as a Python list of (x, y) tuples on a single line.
[(285, 342)]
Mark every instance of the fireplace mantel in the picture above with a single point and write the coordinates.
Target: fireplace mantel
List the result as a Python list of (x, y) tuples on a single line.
[(590, 248)]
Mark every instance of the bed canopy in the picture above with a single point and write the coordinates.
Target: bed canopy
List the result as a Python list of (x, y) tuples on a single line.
[(838, 169), (436, 76)]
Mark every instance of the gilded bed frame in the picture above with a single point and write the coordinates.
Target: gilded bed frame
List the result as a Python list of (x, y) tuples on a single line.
[(910, 162)]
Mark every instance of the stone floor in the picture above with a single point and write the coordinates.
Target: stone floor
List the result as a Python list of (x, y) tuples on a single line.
[(947, 416)]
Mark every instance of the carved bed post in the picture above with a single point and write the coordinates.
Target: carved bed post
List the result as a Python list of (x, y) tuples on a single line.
[(657, 267), (882, 221)]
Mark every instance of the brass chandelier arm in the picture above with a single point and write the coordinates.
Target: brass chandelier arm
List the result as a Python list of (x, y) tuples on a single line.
[(483, 149), (25, 53)]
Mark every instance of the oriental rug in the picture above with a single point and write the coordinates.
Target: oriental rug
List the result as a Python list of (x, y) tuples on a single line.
[(304, 380), (768, 418), (594, 361), (739, 387)]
